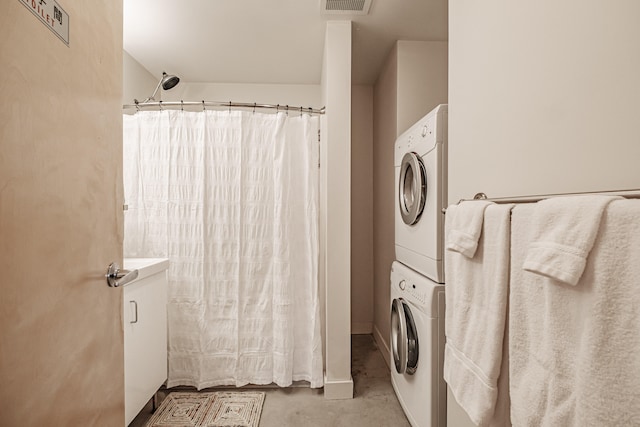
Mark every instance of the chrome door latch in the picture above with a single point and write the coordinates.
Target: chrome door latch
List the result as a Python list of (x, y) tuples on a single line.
[(116, 277)]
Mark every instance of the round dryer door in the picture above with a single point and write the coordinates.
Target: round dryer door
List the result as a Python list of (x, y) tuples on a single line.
[(412, 193), (404, 338)]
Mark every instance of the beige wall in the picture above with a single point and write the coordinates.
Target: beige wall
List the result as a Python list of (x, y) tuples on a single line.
[(420, 63), (385, 131), (412, 82), (61, 347), (361, 209), (543, 99)]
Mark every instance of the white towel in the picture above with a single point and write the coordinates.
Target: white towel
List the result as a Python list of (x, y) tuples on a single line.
[(476, 307), (465, 227), (574, 351), (564, 230)]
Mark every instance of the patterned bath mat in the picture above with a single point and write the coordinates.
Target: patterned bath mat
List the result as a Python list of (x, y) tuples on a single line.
[(211, 409)]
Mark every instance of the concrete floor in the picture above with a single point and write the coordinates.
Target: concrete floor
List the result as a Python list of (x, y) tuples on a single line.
[(374, 403)]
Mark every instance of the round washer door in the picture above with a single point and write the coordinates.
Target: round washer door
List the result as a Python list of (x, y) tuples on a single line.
[(404, 338), (412, 192)]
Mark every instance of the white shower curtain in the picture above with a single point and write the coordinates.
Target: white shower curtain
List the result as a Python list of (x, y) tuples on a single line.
[(231, 198)]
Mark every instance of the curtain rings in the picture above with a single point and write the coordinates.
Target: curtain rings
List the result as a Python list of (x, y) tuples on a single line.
[(160, 104), (181, 105), (204, 108), (254, 108)]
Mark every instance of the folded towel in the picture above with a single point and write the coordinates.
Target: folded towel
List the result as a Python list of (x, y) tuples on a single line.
[(476, 300), (563, 232), (465, 225), (574, 351)]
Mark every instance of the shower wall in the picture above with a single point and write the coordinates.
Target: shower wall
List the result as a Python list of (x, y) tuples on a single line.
[(283, 94), (137, 82)]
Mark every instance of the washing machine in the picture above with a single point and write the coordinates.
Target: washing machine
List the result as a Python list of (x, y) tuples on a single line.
[(417, 346), (420, 161)]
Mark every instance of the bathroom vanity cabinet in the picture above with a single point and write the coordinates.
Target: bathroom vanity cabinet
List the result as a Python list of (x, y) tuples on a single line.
[(145, 332)]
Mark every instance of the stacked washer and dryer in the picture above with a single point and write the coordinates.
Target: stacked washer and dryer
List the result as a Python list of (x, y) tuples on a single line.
[(417, 275)]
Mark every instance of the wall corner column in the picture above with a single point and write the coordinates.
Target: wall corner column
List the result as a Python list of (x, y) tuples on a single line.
[(335, 175)]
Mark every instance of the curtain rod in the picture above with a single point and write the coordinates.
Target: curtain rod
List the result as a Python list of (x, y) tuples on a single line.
[(629, 194), (285, 108)]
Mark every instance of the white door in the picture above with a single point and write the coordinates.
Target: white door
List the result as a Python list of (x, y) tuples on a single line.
[(61, 339)]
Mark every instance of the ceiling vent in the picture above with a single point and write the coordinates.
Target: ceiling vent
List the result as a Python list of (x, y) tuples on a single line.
[(345, 7)]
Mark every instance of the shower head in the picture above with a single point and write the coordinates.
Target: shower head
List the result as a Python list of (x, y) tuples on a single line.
[(167, 82)]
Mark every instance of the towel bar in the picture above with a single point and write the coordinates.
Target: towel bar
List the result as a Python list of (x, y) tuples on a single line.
[(629, 194)]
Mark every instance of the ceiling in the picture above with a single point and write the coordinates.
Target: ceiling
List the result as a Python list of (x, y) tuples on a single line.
[(268, 41)]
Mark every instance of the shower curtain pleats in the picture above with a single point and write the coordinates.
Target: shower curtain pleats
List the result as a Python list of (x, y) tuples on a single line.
[(231, 198)]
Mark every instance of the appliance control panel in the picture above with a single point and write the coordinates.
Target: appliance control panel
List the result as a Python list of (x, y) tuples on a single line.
[(420, 296), (413, 290)]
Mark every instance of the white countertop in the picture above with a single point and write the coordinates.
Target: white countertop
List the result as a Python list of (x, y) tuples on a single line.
[(146, 266)]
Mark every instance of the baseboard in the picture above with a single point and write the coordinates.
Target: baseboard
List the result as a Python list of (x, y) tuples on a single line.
[(334, 390), (383, 346), (361, 328)]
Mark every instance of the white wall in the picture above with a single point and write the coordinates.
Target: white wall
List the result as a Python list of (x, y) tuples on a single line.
[(335, 185), (543, 98)]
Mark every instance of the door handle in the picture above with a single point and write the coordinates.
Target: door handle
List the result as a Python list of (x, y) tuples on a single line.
[(135, 306), (116, 277)]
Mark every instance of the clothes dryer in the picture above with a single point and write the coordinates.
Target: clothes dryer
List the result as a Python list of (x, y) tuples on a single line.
[(420, 161), (417, 347)]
